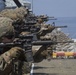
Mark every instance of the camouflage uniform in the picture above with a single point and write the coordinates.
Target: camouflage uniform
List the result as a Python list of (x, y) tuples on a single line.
[(15, 14), (7, 58), (14, 53)]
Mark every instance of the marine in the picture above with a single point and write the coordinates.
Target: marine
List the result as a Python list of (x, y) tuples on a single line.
[(16, 14), (7, 56)]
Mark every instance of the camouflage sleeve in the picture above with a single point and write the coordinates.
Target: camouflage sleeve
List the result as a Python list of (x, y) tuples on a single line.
[(5, 68), (7, 57), (2, 64)]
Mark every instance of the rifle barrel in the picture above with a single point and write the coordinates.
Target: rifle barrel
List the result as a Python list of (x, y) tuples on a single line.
[(49, 42), (60, 26), (34, 43)]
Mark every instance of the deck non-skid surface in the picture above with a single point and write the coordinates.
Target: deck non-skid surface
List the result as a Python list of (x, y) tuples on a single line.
[(55, 67)]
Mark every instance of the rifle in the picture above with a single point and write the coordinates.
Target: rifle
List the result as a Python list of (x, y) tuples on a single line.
[(43, 18), (26, 43), (48, 29), (46, 18)]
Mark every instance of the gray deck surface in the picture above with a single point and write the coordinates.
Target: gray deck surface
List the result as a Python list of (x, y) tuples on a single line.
[(56, 67)]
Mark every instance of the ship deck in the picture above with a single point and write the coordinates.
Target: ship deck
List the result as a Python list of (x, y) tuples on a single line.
[(55, 67)]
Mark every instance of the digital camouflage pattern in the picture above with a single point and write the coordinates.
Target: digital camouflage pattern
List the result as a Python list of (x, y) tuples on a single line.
[(6, 26), (7, 58), (14, 14), (45, 29)]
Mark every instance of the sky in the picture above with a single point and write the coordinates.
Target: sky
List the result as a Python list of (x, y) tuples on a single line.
[(57, 8)]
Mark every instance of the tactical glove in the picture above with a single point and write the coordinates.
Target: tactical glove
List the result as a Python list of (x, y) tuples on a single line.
[(13, 53)]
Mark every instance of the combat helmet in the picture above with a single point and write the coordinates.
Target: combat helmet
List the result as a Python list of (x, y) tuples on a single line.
[(14, 14), (39, 20), (6, 27)]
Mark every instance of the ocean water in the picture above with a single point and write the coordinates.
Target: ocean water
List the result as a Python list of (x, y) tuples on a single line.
[(61, 21), (71, 25)]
